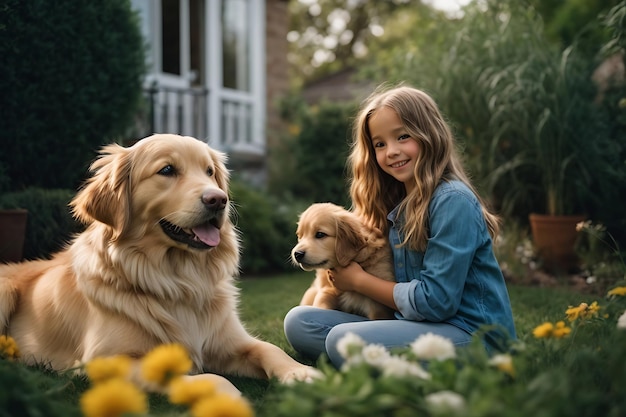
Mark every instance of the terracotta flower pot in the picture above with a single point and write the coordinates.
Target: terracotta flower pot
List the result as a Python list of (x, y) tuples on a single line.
[(554, 238), (12, 234)]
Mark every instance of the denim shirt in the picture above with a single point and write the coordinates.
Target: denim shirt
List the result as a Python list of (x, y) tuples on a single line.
[(457, 279)]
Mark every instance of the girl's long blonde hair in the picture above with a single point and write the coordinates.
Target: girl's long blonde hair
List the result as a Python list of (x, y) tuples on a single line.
[(375, 193)]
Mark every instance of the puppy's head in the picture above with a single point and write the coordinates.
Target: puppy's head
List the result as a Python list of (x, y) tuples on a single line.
[(328, 236), (172, 189)]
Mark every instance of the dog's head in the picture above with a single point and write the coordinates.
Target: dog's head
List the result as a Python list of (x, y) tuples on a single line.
[(172, 189), (328, 236)]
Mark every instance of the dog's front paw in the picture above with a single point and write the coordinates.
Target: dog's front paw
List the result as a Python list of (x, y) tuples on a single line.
[(303, 373), (222, 384)]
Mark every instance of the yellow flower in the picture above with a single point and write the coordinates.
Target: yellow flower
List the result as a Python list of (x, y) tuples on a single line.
[(583, 311), (617, 291), (543, 330), (165, 362), (105, 368), (8, 347), (183, 391), (592, 310), (113, 398), (574, 312), (222, 405), (561, 330)]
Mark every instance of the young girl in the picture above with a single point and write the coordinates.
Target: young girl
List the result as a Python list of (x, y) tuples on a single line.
[(408, 180)]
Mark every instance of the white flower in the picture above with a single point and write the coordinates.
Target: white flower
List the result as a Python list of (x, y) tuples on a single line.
[(621, 322), (375, 355), (396, 366), (445, 402), (355, 359), (432, 346), (350, 345), (503, 362), (500, 359)]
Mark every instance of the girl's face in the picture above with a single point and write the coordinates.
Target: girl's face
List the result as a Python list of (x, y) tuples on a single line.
[(396, 151)]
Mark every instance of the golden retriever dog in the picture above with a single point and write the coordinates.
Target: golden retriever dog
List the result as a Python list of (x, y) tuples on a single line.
[(155, 265), (331, 236)]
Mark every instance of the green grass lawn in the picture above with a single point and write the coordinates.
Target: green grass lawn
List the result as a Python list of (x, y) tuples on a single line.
[(264, 303)]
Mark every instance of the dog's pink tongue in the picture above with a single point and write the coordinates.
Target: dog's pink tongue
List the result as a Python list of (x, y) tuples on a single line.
[(208, 233)]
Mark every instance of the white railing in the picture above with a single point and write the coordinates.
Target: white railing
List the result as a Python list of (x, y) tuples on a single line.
[(186, 111)]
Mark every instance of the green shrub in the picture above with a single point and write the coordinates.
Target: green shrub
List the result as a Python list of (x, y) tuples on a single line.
[(70, 81), (311, 165), (50, 224), (268, 229)]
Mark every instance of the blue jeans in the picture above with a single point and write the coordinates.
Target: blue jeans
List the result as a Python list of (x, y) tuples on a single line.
[(312, 331)]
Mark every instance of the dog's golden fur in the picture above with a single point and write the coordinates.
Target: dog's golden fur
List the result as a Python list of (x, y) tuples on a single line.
[(331, 236), (155, 265)]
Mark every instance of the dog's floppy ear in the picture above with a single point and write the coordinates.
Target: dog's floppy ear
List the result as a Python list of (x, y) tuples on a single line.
[(105, 197), (350, 240)]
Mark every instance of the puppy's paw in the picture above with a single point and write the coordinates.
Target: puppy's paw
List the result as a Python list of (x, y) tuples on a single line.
[(303, 373)]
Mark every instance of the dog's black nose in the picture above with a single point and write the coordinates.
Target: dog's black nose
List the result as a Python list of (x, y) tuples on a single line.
[(299, 255), (214, 199)]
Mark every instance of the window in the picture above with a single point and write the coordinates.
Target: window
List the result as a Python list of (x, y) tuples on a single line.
[(235, 44), (170, 36), (207, 71)]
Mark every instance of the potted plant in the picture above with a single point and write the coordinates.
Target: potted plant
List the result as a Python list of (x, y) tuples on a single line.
[(12, 233), (546, 127), (49, 225)]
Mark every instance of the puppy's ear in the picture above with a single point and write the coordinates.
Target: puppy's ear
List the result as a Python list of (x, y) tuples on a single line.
[(105, 197), (350, 240)]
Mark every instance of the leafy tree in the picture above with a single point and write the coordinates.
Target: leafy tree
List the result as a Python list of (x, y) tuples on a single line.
[(565, 20), (70, 81), (327, 35)]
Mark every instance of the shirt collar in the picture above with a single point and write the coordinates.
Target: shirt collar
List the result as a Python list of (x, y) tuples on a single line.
[(393, 214)]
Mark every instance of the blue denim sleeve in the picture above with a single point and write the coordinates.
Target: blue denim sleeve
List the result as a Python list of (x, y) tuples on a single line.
[(434, 293)]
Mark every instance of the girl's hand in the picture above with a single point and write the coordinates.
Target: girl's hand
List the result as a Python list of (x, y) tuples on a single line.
[(354, 278), (344, 278)]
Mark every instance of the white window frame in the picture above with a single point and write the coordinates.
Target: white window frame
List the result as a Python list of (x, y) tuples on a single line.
[(243, 105)]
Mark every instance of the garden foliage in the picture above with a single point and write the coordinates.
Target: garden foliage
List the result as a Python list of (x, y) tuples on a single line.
[(70, 81), (311, 164), (267, 227)]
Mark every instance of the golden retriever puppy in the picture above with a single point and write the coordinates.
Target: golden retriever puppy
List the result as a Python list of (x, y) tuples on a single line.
[(330, 236), (155, 265)]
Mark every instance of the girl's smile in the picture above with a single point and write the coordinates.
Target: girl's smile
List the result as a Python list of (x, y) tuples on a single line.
[(399, 164)]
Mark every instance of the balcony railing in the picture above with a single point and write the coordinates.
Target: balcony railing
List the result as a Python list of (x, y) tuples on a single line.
[(177, 110), (186, 111)]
